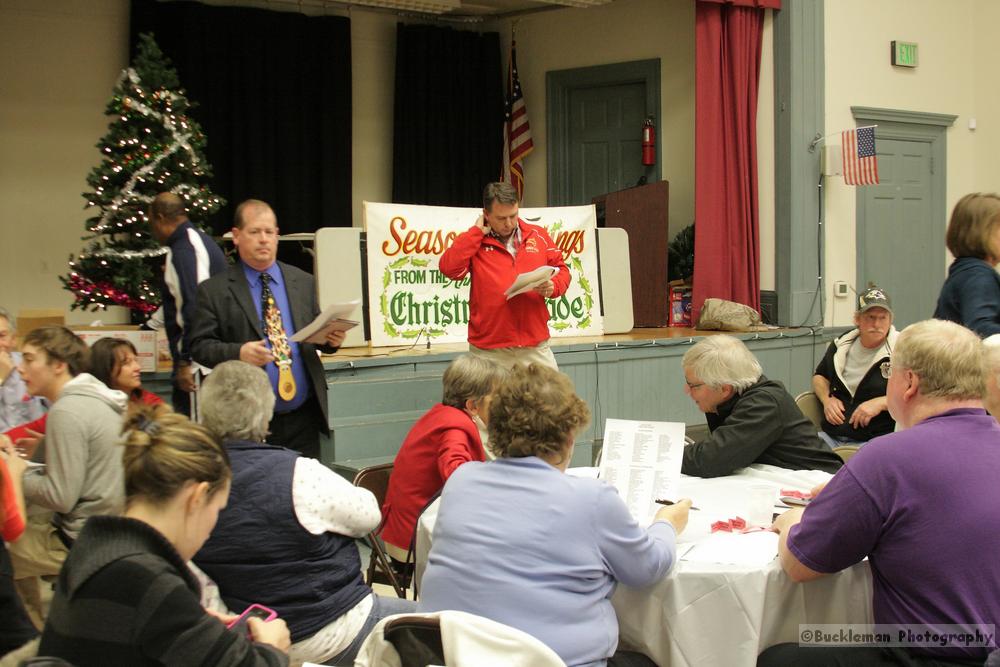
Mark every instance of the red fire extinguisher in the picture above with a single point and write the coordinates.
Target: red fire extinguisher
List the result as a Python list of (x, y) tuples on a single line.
[(648, 142)]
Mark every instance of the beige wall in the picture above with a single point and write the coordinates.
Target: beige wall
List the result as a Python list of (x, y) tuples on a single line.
[(625, 31), (58, 63), (373, 66), (986, 136), (956, 75)]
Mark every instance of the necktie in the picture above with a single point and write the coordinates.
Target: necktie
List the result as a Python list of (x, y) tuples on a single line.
[(279, 341)]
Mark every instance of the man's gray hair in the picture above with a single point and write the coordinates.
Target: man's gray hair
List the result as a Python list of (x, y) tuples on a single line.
[(720, 360), (5, 314), (992, 346), (503, 193), (237, 401), (948, 358)]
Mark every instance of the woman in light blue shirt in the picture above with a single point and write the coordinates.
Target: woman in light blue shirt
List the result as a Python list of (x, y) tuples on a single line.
[(521, 543)]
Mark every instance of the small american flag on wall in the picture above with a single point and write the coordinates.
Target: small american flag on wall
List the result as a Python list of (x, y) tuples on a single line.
[(516, 130), (860, 161)]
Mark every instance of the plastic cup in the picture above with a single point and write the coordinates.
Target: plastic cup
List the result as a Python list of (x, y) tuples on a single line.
[(760, 504)]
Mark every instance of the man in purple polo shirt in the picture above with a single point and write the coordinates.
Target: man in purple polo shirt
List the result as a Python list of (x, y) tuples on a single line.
[(920, 503)]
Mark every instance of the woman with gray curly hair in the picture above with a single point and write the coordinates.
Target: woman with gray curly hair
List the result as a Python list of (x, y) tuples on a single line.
[(521, 543)]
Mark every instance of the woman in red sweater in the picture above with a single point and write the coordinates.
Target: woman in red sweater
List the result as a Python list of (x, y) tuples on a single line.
[(115, 362), (443, 439)]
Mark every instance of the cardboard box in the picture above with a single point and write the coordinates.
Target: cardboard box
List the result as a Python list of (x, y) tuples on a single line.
[(680, 304), (29, 319), (164, 361), (144, 341)]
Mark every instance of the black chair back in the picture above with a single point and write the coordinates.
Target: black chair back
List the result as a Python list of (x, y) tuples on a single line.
[(417, 640)]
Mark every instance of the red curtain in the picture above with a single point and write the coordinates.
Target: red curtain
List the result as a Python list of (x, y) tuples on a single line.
[(766, 4), (727, 68)]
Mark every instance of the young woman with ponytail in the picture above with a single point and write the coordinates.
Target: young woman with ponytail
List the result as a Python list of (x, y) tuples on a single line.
[(125, 595)]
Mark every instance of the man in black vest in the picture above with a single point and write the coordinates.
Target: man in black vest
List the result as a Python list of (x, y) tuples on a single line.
[(848, 381), (250, 312)]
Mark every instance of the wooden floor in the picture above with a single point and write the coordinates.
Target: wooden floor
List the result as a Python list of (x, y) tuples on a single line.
[(636, 335)]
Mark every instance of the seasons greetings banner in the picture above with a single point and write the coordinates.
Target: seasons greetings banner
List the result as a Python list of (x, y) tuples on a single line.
[(409, 297)]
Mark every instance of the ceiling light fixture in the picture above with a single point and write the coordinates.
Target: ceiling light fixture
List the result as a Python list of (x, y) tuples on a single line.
[(579, 3), (426, 6)]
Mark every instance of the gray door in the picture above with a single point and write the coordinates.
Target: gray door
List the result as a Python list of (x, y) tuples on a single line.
[(594, 119), (605, 131), (900, 243)]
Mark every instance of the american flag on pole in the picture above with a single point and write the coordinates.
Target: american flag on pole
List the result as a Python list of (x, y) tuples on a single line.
[(517, 142), (860, 162)]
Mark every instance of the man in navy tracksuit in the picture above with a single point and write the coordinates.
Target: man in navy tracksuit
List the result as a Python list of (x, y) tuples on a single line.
[(192, 257)]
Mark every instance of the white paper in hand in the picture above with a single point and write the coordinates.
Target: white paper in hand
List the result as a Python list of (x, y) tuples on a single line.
[(642, 459), (333, 318), (528, 281)]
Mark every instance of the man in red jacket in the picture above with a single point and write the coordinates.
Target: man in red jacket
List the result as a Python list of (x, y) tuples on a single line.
[(498, 248)]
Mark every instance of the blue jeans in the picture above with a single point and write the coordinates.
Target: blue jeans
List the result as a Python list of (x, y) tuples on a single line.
[(836, 441), (381, 607)]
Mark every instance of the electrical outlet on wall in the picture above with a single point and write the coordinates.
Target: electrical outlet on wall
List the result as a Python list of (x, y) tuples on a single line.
[(840, 289)]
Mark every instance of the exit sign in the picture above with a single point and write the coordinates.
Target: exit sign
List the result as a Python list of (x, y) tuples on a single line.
[(904, 54)]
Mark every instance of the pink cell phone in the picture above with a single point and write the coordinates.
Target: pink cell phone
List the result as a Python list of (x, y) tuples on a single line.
[(253, 611)]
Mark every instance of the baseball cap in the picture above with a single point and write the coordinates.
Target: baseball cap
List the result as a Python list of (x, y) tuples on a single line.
[(874, 297)]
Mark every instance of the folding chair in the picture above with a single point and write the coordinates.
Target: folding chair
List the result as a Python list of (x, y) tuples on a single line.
[(416, 639), (454, 639), (808, 403), (376, 479), (845, 452)]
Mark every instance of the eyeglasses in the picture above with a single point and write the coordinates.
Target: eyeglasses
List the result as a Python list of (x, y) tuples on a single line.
[(886, 368)]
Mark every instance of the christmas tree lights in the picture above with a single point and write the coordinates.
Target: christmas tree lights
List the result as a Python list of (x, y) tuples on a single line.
[(152, 146)]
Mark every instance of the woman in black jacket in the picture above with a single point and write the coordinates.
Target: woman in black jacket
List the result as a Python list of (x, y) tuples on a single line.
[(971, 294)]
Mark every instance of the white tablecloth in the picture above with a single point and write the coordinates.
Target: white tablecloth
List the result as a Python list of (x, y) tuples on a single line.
[(704, 614)]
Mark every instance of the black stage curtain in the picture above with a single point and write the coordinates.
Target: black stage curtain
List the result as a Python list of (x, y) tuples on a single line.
[(273, 95), (448, 116)]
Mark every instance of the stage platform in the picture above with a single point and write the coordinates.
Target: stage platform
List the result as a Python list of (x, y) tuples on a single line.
[(376, 394)]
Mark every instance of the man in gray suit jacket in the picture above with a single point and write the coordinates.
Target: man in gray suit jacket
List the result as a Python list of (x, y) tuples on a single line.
[(232, 322)]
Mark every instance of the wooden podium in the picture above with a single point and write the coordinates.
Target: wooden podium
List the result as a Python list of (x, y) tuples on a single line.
[(642, 212)]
